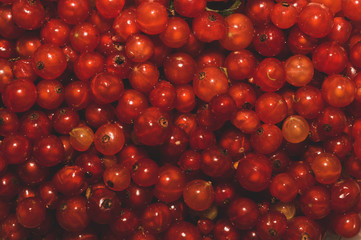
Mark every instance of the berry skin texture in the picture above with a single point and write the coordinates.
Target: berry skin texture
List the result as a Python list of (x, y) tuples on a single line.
[(315, 20), (49, 61), (209, 26), (30, 212), (109, 139), (254, 172), (152, 127), (209, 82), (20, 95), (180, 120)]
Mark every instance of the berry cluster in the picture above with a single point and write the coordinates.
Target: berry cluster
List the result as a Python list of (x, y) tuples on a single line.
[(182, 119)]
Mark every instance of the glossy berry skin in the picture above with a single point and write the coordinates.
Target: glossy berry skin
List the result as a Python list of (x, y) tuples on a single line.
[(9, 122), (345, 93), (341, 30), (259, 11), (88, 64), (215, 162), (270, 75), (246, 120), (28, 15), (271, 108), (145, 172), (163, 96), (346, 225), (295, 129), (243, 212), (19, 95), (156, 217), (222, 106), (8, 27), (327, 168), (71, 214), (119, 64), (170, 184), (309, 102), (329, 58), (106, 87), (283, 187), (103, 205), (268, 40), (125, 25), (26, 45), (48, 151), (235, 142), (151, 17), (355, 57), (209, 82), (144, 76), (198, 194), (49, 61), (176, 34), (240, 32), (211, 58), (92, 166), (84, 37), (130, 105), (10, 185), (125, 223), (315, 202), (6, 75), (69, 180), (301, 43), (35, 124), (302, 228), (139, 47), (185, 98), (50, 94), (240, 64), (176, 145), (30, 172), (284, 15), (188, 8), (209, 26), (351, 9), (182, 230), (299, 70), (22, 69), (179, 68), (267, 139), (64, 120), (77, 94), (16, 149), (254, 172), (109, 9), (152, 127), (224, 229), (30, 212), (109, 139), (73, 12), (272, 225), (315, 20), (97, 114), (55, 31), (116, 178), (12, 229), (138, 197), (344, 195)]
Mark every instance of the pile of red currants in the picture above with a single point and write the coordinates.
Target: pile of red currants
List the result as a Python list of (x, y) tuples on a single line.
[(181, 119)]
